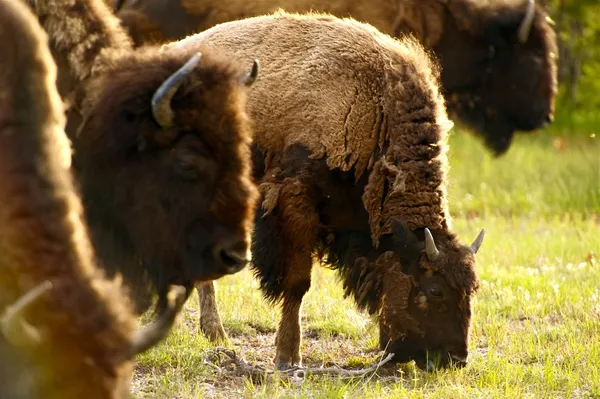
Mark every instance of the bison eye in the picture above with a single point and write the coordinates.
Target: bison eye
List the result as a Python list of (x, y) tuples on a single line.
[(188, 168), (436, 292)]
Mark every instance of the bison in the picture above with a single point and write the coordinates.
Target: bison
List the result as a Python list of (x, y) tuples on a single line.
[(161, 150), (350, 157), (498, 58), (65, 330)]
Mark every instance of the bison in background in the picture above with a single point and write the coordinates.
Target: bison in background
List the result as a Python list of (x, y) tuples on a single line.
[(65, 331), (350, 154), (161, 151), (498, 57)]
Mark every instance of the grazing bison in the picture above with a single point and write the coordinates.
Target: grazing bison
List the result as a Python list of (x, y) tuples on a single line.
[(498, 58), (161, 150), (65, 331), (350, 153)]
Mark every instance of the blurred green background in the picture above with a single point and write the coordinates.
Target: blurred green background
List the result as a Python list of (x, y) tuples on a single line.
[(578, 29)]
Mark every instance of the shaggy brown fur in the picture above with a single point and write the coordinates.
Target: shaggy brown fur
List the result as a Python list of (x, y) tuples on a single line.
[(493, 83), (165, 204), (358, 116), (350, 134), (84, 322), (79, 32)]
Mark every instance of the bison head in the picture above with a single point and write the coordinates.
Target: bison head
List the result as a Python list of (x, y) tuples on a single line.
[(499, 68), (421, 289), (163, 156)]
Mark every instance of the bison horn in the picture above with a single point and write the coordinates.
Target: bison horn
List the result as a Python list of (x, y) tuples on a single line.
[(13, 325), (161, 100), (159, 328), (525, 26), (251, 76), (477, 243), (430, 248)]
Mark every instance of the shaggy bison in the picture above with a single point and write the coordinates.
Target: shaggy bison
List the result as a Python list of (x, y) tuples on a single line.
[(65, 331), (161, 150), (498, 58), (350, 153)]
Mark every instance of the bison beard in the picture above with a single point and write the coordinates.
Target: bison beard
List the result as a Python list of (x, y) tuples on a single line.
[(498, 58), (65, 331), (342, 165)]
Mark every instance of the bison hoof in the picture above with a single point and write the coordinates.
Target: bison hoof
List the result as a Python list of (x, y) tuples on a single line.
[(213, 331), (283, 366)]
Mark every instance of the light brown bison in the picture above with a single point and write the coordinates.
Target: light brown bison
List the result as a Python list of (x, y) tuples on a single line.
[(498, 57), (65, 331), (350, 154), (161, 150)]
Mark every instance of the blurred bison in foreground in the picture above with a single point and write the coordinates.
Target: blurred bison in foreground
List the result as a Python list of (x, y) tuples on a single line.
[(65, 331), (161, 153), (498, 57), (350, 153)]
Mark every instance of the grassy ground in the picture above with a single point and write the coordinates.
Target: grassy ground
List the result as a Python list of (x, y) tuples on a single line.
[(536, 328)]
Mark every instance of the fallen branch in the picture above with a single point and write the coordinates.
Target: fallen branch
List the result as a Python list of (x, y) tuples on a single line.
[(222, 358)]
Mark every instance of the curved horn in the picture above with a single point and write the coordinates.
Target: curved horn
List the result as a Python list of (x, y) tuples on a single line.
[(161, 100), (477, 243), (159, 328), (16, 330), (525, 26), (251, 76), (430, 248)]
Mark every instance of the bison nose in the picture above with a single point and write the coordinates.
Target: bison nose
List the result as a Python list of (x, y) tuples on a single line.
[(232, 256)]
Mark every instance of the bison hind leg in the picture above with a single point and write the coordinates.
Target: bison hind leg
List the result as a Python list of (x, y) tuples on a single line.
[(210, 321)]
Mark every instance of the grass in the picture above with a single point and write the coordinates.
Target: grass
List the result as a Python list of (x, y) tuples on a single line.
[(536, 326)]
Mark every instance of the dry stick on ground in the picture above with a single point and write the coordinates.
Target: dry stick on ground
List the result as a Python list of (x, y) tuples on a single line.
[(258, 373)]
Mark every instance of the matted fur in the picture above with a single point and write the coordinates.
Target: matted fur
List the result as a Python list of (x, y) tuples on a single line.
[(365, 102), (494, 84), (84, 321)]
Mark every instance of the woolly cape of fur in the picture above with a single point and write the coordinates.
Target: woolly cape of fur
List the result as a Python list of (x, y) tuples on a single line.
[(350, 93)]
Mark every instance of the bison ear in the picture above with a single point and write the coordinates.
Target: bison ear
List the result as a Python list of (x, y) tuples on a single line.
[(403, 235), (406, 243)]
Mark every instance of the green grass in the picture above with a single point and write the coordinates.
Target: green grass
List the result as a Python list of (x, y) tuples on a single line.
[(536, 326)]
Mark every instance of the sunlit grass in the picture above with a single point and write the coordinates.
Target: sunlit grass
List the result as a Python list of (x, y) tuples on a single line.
[(536, 324)]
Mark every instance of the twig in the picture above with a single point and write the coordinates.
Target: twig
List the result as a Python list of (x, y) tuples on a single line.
[(259, 373)]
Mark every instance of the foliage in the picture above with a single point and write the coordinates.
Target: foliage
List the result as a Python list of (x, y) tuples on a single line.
[(578, 28)]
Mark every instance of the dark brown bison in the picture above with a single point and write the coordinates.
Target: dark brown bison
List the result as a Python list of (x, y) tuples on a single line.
[(498, 58), (65, 331), (161, 150), (350, 154)]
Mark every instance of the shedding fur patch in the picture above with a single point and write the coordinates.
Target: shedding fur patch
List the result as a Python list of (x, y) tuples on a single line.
[(396, 293)]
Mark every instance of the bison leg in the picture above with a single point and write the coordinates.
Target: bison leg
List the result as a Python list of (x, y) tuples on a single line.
[(289, 333), (283, 243), (210, 321)]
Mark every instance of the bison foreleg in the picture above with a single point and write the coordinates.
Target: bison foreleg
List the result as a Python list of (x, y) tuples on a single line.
[(289, 333), (210, 321), (298, 225)]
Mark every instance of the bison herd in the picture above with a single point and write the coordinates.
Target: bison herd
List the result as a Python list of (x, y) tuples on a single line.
[(136, 162)]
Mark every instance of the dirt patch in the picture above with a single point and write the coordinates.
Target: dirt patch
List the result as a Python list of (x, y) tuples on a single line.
[(259, 350)]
